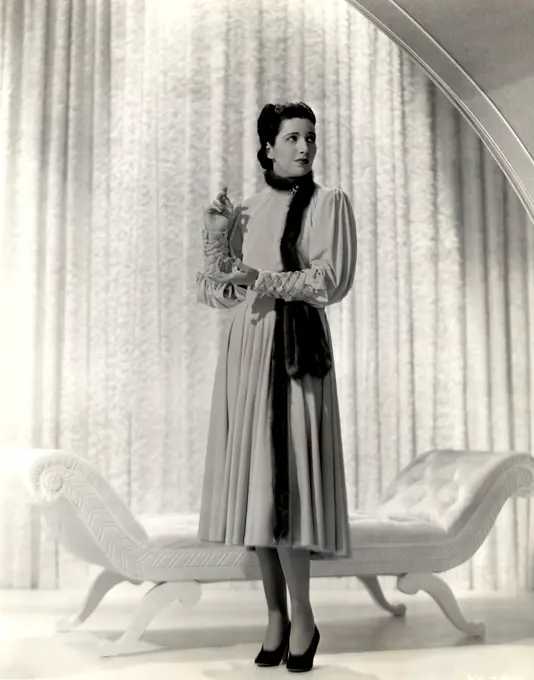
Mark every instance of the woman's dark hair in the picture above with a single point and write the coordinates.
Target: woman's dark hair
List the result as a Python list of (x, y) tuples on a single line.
[(270, 121)]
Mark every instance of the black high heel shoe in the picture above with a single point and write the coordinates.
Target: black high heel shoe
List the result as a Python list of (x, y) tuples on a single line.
[(274, 657), (302, 663)]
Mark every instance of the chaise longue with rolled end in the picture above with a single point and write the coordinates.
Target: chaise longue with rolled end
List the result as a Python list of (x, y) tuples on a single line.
[(433, 517)]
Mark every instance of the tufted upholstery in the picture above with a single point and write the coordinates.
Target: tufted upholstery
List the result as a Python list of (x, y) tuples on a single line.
[(442, 487)]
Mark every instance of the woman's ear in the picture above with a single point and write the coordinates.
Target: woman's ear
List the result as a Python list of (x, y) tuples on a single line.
[(269, 151)]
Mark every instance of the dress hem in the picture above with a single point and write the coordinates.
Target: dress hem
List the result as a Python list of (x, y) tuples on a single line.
[(315, 551)]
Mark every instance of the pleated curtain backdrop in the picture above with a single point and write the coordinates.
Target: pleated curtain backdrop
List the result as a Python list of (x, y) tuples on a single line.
[(119, 120)]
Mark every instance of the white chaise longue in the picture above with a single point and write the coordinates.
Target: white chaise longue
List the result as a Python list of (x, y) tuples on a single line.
[(433, 517)]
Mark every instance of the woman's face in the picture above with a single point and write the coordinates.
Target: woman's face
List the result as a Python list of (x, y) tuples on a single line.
[(294, 148)]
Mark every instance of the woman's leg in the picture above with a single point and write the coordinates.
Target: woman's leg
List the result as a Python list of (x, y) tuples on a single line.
[(274, 585), (296, 566)]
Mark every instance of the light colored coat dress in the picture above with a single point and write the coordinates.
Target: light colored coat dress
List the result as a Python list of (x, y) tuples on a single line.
[(237, 494)]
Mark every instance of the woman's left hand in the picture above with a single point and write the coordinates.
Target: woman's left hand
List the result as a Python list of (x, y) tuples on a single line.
[(241, 275)]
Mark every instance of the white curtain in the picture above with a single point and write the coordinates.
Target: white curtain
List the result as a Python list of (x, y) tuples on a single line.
[(119, 119)]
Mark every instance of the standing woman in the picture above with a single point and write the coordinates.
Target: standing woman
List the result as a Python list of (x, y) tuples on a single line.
[(274, 480)]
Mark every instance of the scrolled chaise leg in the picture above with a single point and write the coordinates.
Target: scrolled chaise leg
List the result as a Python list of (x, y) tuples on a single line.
[(103, 583), (441, 593), (156, 599), (375, 590)]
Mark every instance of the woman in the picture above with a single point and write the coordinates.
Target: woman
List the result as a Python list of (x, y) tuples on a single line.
[(274, 479)]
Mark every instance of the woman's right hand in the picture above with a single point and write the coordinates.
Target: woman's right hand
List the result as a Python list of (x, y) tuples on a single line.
[(218, 214)]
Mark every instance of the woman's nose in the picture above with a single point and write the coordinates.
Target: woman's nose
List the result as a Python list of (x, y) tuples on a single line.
[(302, 146)]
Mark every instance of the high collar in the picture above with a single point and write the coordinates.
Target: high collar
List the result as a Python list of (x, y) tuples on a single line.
[(288, 184)]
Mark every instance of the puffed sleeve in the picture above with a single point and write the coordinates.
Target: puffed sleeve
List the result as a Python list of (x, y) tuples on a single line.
[(217, 246), (330, 275)]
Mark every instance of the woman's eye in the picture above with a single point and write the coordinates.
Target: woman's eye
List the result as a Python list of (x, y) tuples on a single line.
[(294, 138)]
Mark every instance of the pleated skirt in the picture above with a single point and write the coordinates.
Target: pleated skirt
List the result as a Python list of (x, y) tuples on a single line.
[(237, 492)]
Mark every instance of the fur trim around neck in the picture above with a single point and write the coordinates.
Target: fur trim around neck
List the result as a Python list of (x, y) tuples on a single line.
[(300, 346), (288, 183)]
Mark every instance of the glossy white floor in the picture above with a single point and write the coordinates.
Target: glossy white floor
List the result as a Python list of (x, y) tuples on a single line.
[(218, 638)]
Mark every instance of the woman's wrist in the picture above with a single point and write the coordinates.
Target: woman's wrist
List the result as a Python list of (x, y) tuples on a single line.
[(216, 231)]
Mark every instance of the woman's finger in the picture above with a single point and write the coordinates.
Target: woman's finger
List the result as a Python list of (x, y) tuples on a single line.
[(222, 202), (220, 208)]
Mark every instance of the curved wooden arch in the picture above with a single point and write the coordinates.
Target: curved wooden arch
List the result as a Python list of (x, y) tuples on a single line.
[(480, 53)]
